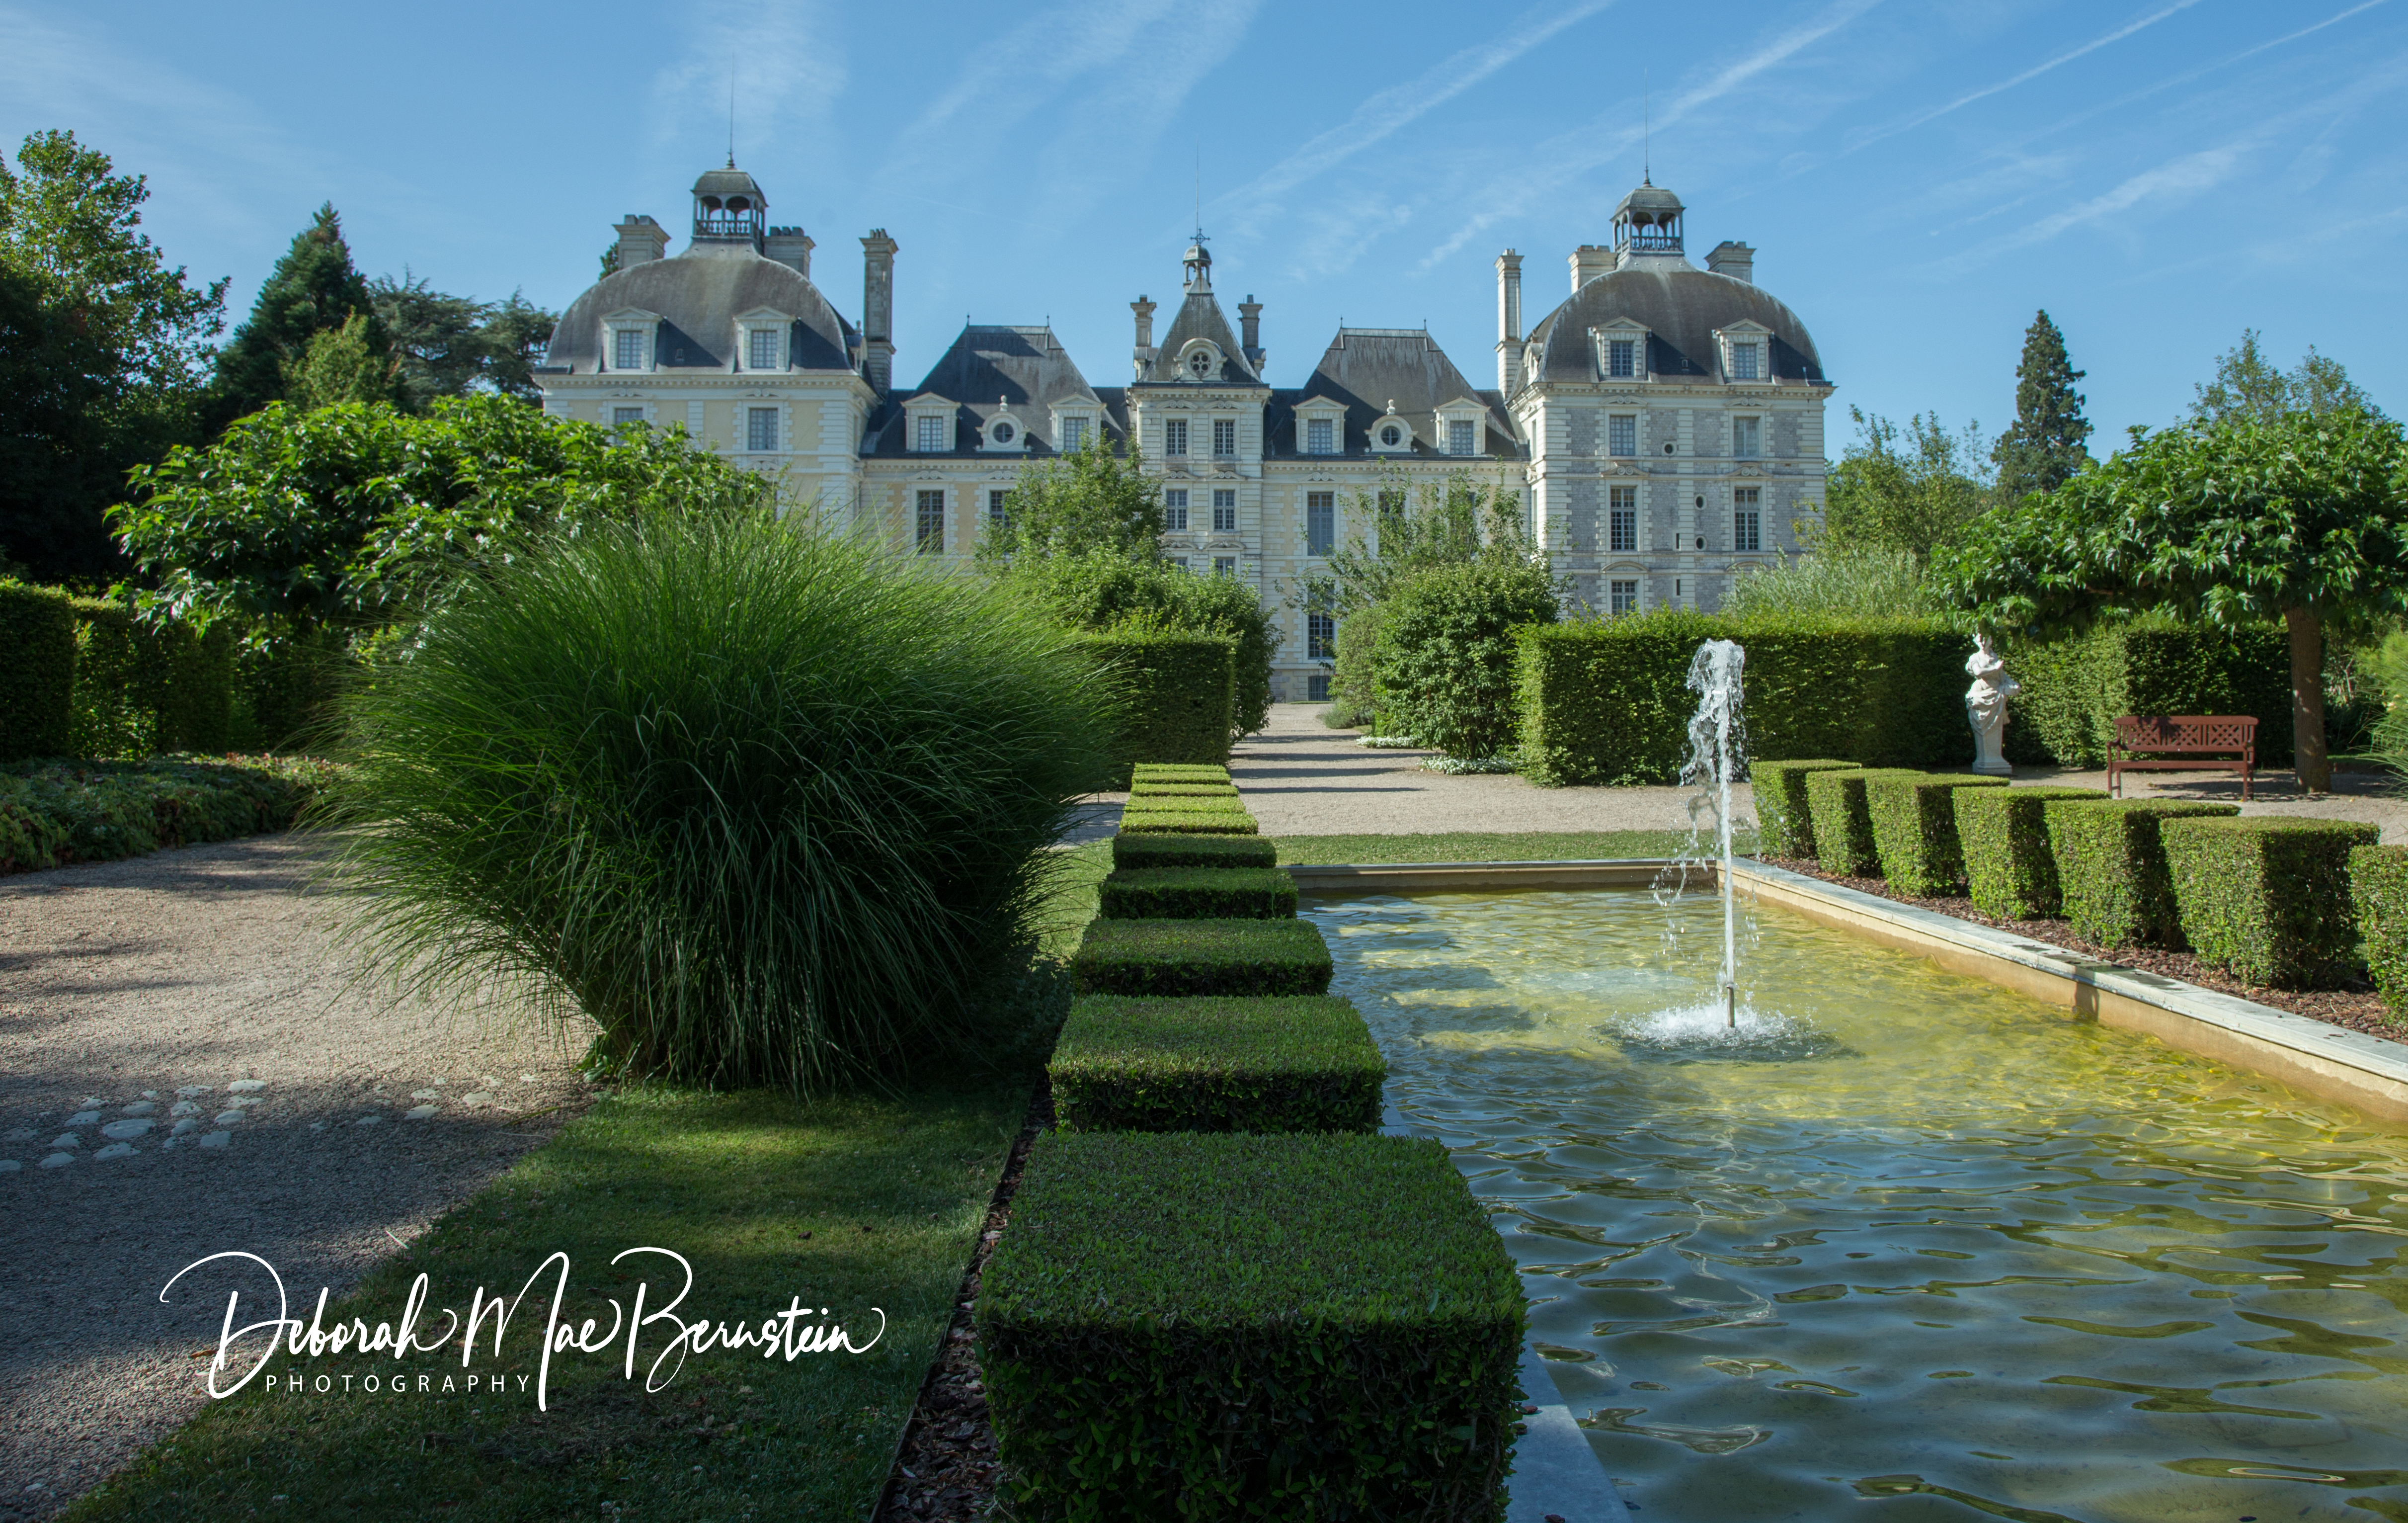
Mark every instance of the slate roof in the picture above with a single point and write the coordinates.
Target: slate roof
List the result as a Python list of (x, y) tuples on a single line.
[(698, 293), (1366, 369), (989, 369), (1681, 307), (1200, 316)]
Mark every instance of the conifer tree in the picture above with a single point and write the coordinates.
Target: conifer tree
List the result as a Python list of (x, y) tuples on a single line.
[(314, 289), (2044, 445)]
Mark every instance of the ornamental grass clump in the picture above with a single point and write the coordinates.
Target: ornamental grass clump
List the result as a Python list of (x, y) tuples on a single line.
[(766, 806)]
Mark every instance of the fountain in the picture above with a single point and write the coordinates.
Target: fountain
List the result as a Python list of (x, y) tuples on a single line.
[(1717, 746)]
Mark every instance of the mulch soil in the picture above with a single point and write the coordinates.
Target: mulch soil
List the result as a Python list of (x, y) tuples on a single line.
[(2358, 1007)]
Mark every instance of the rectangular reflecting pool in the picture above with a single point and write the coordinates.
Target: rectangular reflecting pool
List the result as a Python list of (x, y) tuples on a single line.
[(1907, 1246)]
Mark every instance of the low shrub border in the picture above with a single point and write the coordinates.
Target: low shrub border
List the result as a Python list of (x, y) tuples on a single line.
[(2378, 885), (1199, 894), (1179, 692), (1163, 850), (1781, 816), (2267, 897), (1843, 833), (1146, 787), (2009, 869), (1260, 1065), (52, 813), (1202, 958), (2111, 866), (1218, 823), (1913, 820), (1151, 802), (1179, 773), (38, 650), (1187, 1325)]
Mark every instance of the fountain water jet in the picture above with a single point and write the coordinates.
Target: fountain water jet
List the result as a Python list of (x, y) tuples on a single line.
[(1717, 746)]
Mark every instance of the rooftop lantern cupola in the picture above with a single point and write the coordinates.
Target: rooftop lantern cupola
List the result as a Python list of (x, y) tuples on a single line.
[(1198, 265), (728, 208), (1648, 222)]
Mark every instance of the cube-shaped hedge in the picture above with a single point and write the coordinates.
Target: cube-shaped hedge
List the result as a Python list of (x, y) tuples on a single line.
[(1178, 773), (1199, 894), (1185, 1325), (2268, 896), (1784, 826), (2378, 885), (1149, 801), (1147, 788), (1299, 1064), (1202, 958), (1155, 850), (1233, 822), (2009, 869), (2111, 866), (1843, 833), (1913, 817)]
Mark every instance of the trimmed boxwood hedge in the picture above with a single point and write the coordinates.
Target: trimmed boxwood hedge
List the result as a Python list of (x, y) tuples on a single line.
[(1179, 773), (1216, 822), (1914, 819), (1145, 787), (144, 689), (1297, 1064), (1605, 700), (2267, 897), (38, 649), (1202, 957), (1185, 1325), (1843, 832), (1199, 894), (2111, 866), (2009, 869), (1784, 826), (1187, 851), (1178, 692), (1147, 800), (2075, 687), (2378, 885)]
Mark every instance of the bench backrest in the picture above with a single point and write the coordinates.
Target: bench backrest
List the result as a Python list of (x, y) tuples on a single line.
[(2187, 732)]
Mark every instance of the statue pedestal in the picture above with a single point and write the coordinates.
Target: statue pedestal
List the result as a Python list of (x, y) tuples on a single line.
[(1987, 768)]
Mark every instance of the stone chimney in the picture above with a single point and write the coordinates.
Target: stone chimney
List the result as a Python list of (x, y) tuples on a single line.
[(641, 240), (790, 246), (1588, 262), (1250, 328), (1736, 259), (1144, 307), (877, 309), (1509, 323)]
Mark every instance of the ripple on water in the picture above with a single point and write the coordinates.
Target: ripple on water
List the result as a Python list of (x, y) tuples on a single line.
[(1901, 1236)]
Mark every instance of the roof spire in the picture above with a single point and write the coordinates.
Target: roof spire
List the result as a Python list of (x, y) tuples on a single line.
[(731, 114)]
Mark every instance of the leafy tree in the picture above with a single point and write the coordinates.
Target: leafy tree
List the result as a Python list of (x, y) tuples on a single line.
[(2248, 385), (1908, 497), (1084, 500), (1457, 522), (452, 346), (1446, 651), (1104, 590), (2044, 444), (610, 263), (339, 367), (104, 353), (1839, 581), (355, 515), (314, 289), (2301, 516)]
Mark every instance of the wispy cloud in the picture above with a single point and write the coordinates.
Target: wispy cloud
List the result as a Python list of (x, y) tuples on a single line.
[(754, 74)]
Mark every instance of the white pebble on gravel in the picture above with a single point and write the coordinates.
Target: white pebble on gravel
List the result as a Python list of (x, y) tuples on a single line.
[(149, 1093), (141, 1107), (479, 1098), (369, 1120), (184, 1127), (117, 1149), (418, 1113), (83, 1118), (216, 1139), (317, 1126), (247, 1086), (22, 1134), (188, 1091), (119, 1131), (90, 1099), (527, 1078), (227, 1118), (244, 1103), (66, 1140), (58, 1160), (10, 1166), (426, 1094), (183, 1107)]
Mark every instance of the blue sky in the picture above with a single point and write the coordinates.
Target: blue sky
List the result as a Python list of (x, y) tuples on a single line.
[(1916, 177)]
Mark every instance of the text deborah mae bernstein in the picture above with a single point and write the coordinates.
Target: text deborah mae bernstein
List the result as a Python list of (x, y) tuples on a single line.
[(791, 1333)]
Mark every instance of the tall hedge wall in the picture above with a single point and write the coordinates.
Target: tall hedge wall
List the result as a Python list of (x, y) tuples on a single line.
[(1605, 700), (1180, 693), (37, 644), (2075, 687), (141, 691)]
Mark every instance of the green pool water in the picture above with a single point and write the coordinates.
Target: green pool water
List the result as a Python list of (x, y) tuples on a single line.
[(1910, 1246)]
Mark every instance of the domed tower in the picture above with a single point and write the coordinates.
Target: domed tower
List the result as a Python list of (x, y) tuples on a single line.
[(729, 208), (1674, 416)]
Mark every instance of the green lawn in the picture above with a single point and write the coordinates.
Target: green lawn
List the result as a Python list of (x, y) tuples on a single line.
[(1486, 846)]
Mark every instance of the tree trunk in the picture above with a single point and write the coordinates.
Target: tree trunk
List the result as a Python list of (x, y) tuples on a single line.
[(2307, 631)]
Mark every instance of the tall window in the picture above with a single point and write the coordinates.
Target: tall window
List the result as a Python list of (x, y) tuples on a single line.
[(1174, 510), (1747, 438), (1459, 435), (1320, 436), (1074, 433), (1747, 519), (1622, 520), (1225, 566), (1320, 638), (1174, 436), (1622, 596), (1391, 501), (760, 429), (1224, 509), (1621, 434), (999, 506), (1225, 438), (627, 349), (930, 434), (1744, 362), (931, 540), (761, 349), (622, 417), (1622, 357), (1320, 522), (1180, 561)]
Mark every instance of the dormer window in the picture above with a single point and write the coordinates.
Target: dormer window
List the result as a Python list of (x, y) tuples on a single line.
[(1074, 432), (928, 436), (1320, 437), (1622, 358), (761, 349), (1744, 360), (1462, 426), (627, 349), (1391, 436), (1004, 433), (1200, 364), (1747, 355)]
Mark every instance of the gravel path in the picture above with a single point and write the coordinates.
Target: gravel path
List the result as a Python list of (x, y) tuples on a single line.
[(202, 992)]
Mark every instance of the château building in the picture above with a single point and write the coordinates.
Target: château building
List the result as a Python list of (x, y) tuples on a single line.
[(1662, 428)]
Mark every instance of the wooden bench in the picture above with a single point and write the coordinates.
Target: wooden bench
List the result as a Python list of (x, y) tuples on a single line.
[(2204, 738)]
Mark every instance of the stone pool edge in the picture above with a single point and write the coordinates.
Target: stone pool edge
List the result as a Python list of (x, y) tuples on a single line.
[(2325, 1060)]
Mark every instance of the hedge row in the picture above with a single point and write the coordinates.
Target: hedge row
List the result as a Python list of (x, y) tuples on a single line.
[(2075, 688), (1260, 1065), (1170, 850), (37, 647), (1913, 821), (143, 690), (2269, 897), (2009, 870), (1199, 894), (2378, 885), (1220, 956), (58, 812), (1179, 690), (2111, 863), (1784, 826)]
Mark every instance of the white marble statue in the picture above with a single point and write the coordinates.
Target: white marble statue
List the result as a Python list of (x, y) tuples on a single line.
[(1985, 707)]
